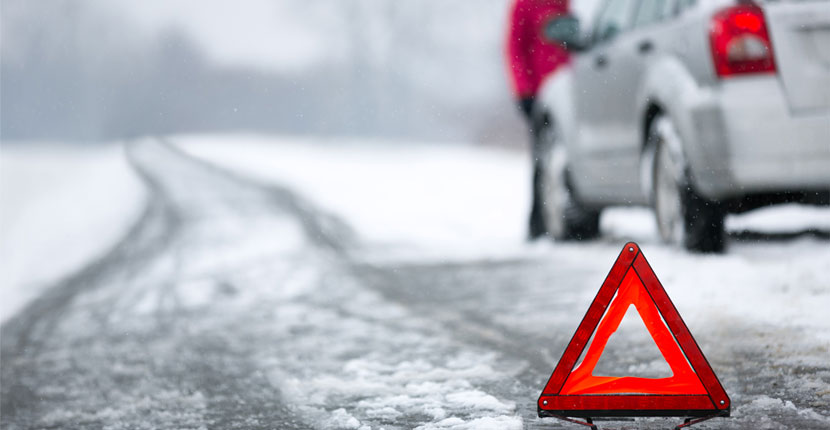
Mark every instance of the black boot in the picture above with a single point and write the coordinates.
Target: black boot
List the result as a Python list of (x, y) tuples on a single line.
[(536, 222)]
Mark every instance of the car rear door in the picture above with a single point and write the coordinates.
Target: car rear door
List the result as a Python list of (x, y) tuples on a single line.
[(605, 84), (800, 32), (651, 38)]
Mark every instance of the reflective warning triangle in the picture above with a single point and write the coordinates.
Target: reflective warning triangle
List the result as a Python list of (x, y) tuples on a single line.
[(693, 388)]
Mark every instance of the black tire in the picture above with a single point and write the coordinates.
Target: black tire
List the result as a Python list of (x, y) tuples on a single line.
[(684, 217), (563, 215)]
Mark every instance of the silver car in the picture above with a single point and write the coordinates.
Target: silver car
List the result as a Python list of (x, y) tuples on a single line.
[(698, 108)]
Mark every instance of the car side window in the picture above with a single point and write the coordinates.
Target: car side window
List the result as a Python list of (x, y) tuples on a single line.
[(671, 8), (685, 4), (651, 11), (613, 20)]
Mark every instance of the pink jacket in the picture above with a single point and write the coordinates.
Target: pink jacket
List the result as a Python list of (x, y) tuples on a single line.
[(529, 56)]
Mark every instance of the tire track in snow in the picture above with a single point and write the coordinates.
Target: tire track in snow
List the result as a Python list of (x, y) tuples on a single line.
[(84, 353)]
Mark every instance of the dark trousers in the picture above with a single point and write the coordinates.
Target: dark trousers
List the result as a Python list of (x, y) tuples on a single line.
[(536, 220)]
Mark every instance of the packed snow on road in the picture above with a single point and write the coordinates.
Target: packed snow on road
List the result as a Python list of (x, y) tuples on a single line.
[(352, 284)]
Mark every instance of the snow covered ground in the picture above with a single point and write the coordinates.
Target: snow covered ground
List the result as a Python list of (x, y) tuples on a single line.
[(60, 206), (454, 201), (458, 203), (370, 284), (447, 197), (451, 197)]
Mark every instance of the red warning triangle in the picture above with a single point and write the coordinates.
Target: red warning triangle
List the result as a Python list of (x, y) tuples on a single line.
[(692, 389)]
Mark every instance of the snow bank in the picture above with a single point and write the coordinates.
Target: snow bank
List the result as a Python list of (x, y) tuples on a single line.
[(443, 395), (426, 203), (60, 206), (450, 200), (451, 197), (468, 202), (367, 373), (762, 411)]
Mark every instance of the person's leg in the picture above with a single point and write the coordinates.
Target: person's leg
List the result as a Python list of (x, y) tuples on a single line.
[(536, 224), (536, 221)]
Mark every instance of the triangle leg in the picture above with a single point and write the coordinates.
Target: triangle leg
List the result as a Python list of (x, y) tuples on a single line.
[(588, 422), (688, 422)]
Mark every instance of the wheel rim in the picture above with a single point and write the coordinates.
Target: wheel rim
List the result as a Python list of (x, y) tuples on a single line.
[(557, 196), (667, 202)]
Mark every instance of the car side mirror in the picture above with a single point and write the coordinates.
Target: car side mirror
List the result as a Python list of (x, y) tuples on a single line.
[(565, 30)]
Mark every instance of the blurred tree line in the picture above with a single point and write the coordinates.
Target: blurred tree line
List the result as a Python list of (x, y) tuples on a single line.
[(431, 69)]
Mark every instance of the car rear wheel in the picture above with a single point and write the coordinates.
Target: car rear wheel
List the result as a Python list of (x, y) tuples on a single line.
[(564, 216), (684, 218)]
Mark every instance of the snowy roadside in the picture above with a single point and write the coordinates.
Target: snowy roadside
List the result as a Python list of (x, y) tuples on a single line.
[(457, 200), (439, 315), (465, 202), (256, 308), (397, 195), (431, 203), (60, 207)]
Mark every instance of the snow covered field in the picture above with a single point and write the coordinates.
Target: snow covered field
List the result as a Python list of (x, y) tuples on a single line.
[(60, 207), (455, 203), (463, 202), (454, 198), (370, 284), (438, 196)]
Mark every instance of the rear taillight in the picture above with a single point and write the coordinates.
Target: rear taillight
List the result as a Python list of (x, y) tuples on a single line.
[(740, 41)]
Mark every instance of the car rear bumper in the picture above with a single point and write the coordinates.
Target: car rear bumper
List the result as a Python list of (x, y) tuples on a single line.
[(745, 140)]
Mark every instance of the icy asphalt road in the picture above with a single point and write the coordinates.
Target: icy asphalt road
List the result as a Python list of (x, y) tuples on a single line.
[(233, 304)]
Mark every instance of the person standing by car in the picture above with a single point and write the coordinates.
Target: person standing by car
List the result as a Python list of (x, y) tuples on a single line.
[(530, 58)]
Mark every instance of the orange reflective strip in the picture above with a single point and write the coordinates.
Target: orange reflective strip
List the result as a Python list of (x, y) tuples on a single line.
[(683, 380)]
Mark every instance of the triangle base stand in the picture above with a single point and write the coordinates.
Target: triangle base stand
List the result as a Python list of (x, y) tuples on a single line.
[(688, 422), (588, 422)]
